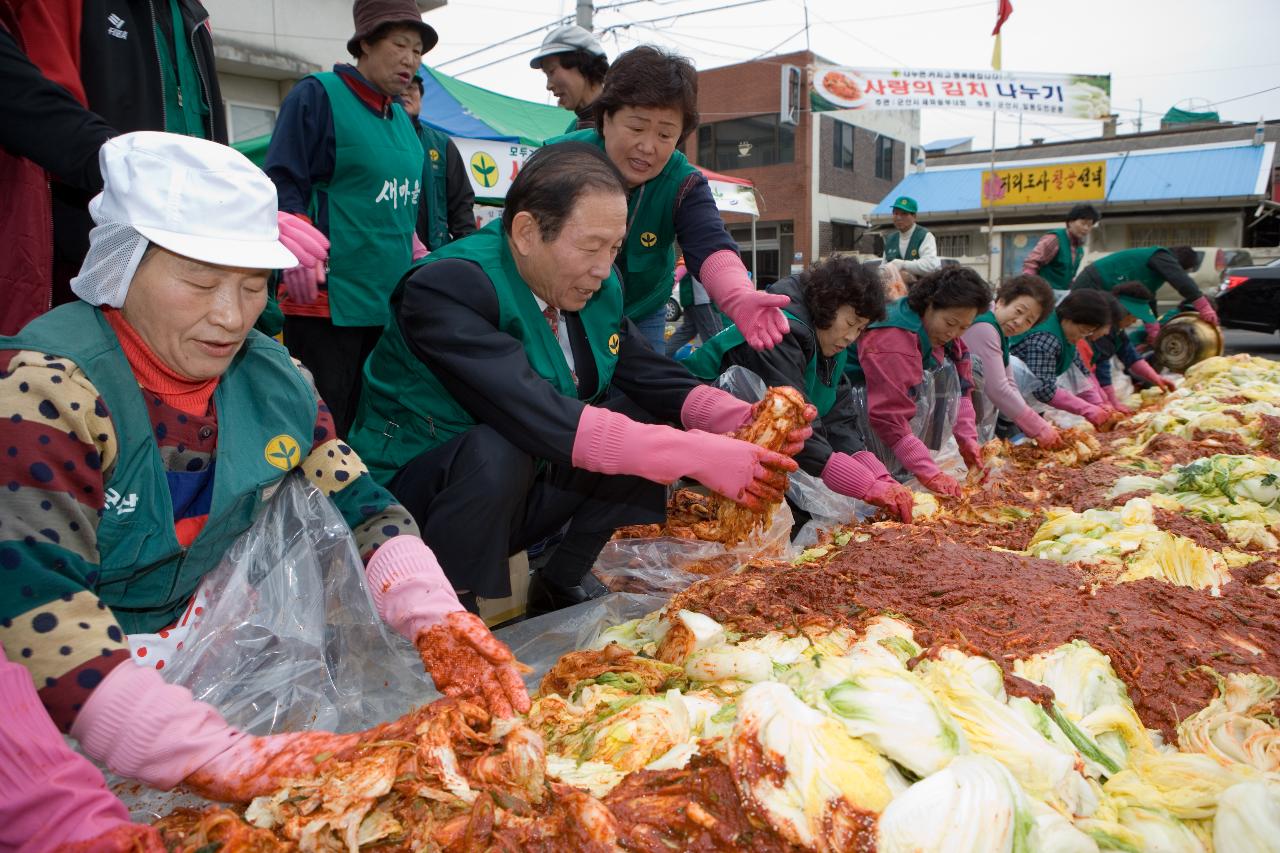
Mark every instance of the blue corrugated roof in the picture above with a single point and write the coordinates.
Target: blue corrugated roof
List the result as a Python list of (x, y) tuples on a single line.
[(1226, 171), (944, 144)]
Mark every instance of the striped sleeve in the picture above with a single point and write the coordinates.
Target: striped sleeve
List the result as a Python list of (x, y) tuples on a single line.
[(59, 448), (336, 469), (1040, 353)]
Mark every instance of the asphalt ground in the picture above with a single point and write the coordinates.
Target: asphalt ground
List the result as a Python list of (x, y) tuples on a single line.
[(1254, 343)]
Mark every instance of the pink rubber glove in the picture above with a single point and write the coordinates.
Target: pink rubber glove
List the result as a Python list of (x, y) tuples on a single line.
[(611, 443), (863, 476), (941, 484), (1068, 402), (966, 433), (1205, 310), (1038, 428), (49, 795), (915, 457), (1113, 400), (311, 248), (756, 313), (1153, 332), (1092, 394), (420, 250), (1143, 370), (157, 733), (413, 596), (713, 409), (681, 271)]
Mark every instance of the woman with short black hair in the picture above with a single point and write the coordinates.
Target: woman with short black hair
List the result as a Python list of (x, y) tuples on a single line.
[(892, 358), (828, 308), (1130, 303), (649, 104), (1049, 351), (1022, 301)]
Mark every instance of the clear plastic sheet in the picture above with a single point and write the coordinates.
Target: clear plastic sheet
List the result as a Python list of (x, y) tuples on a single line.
[(291, 640), (666, 565), (937, 399), (985, 412), (1073, 380)]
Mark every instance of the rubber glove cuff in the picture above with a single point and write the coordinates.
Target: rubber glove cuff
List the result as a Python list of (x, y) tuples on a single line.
[(409, 589)]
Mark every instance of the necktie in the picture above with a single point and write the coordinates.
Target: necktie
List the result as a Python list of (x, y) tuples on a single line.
[(553, 320)]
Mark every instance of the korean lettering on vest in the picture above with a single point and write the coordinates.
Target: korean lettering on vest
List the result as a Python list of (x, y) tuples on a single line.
[(399, 193)]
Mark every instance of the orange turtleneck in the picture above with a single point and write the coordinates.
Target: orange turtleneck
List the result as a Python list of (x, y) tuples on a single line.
[(187, 395)]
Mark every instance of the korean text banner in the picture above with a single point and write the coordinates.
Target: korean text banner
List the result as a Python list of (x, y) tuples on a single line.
[(1051, 183), (1067, 95), (492, 165)]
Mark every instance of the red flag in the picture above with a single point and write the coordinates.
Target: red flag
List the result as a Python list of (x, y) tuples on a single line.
[(1002, 15)]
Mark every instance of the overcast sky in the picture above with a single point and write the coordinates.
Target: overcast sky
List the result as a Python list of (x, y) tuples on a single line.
[(1160, 51)]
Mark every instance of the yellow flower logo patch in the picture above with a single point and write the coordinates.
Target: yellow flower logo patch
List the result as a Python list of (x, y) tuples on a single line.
[(435, 155), (484, 169), (283, 452), (648, 239), (614, 343)]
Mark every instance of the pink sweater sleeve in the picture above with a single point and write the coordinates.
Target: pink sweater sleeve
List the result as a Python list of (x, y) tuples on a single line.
[(983, 340), (1043, 253), (891, 361), (49, 795)]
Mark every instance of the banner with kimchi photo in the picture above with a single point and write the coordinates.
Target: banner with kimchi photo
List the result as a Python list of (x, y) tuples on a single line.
[(1068, 95)]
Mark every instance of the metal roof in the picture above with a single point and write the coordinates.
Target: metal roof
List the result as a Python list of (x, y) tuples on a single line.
[(1204, 173), (944, 144)]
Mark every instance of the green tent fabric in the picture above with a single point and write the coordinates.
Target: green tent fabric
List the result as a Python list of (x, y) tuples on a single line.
[(255, 149), (1177, 116), (498, 116)]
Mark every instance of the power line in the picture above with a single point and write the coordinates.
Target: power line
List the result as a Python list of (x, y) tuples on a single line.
[(1242, 97)]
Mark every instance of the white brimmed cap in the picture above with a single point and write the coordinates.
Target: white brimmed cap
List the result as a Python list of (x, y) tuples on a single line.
[(566, 39), (196, 198)]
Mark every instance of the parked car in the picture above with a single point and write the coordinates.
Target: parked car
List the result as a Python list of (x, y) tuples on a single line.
[(1249, 298)]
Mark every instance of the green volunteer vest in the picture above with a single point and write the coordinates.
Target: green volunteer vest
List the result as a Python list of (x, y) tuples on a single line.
[(185, 110), (706, 360), (435, 146), (899, 316), (686, 291), (989, 318), (1053, 325), (373, 205), (646, 261), (893, 243), (1129, 265), (405, 410), (266, 417), (1062, 269)]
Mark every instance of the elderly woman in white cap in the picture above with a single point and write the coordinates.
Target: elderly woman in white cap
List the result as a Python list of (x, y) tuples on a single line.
[(574, 64), (143, 428)]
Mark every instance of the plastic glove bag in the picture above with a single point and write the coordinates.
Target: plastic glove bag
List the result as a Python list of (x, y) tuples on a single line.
[(541, 641), (894, 286), (291, 640), (665, 565)]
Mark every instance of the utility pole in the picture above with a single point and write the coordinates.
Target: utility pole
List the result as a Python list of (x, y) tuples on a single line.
[(585, 9), (1139, 115)]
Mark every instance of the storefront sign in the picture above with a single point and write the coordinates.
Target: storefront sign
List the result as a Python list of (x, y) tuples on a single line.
[(1052, 183), (1067, 95)]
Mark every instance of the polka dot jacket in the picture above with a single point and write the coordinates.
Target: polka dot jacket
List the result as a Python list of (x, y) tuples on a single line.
[(57, 454)]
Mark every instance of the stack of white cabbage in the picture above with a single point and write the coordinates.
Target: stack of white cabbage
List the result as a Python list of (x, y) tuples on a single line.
[(1129, 541), (829, 736)]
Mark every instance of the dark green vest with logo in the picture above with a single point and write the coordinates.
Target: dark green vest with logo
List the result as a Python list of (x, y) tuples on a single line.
[(405, 410), (1129, 265), (893, 245), (266, 417), (1053, 326), (435, 197), (706, 360), (989, 318), (899, 316), (1062, 269), (648, 258), (373, 199)]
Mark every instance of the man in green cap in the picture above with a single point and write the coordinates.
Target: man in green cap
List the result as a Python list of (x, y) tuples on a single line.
[(911, 249)]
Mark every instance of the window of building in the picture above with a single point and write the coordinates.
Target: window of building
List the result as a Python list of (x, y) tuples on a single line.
[(953, 245), (844, 238), (741, 143), (248, 121), (1171, 234), (884, 157), (842, 145)]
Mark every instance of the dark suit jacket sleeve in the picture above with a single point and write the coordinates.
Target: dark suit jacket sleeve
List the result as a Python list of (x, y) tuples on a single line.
[(448, 315), (44, 123), (1166, 265), (656, 383), (460, 197)]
